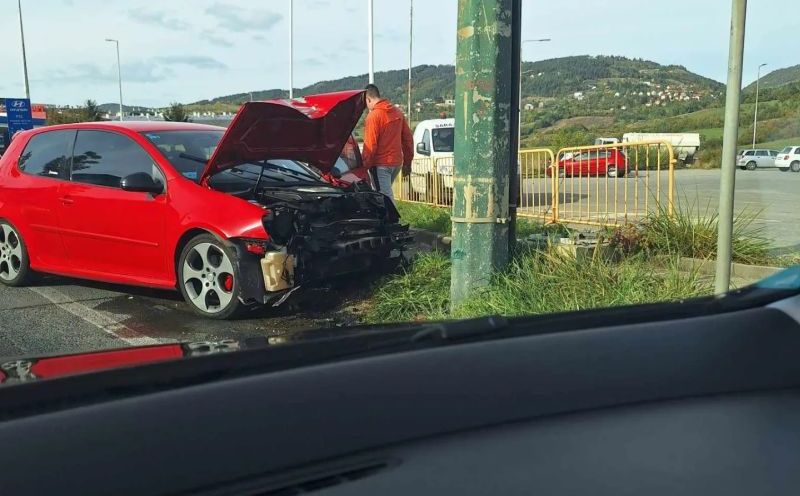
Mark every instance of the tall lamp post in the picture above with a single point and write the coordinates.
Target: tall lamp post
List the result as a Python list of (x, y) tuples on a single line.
[(410, 52), (119, 75), (291, 49), (24, 57), (370, 51), (755, 116), (519, 128)]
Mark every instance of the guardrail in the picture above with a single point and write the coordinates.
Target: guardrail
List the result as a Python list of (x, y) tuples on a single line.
[(594, 185), (612, 184)]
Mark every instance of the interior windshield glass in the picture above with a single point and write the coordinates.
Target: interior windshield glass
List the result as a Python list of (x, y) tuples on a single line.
[(187, 151)]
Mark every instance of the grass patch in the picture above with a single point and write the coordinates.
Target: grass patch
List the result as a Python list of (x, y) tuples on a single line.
[(692, 232), (437, 219), (426, 217), (535, 282), (422, 292)]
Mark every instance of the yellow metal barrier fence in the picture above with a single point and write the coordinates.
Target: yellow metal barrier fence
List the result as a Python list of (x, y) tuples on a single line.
[(431, 182), (536, 189), (594, 185), (613, 184)]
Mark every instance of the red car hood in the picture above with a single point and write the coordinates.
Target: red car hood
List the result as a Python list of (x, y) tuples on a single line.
[(311, 129)]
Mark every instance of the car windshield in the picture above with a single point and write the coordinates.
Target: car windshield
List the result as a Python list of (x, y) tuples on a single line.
[(619, 163), (188, 152), (443, 139)]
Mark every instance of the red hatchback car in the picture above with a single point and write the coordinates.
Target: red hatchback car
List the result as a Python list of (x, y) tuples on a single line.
[(231, 218), (610, 162)]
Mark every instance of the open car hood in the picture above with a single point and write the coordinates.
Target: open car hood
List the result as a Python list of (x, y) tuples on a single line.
[(311, 129)]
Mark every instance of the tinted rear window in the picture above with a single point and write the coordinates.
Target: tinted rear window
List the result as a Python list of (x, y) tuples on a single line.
[(46, 154)]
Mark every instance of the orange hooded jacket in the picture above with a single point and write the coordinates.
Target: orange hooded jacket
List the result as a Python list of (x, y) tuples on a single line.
[(387, 137)]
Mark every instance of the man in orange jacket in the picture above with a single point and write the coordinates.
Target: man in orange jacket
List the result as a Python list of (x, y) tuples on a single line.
[(388, 144)]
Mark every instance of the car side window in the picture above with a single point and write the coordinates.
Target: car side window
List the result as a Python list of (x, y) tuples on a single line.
[(762, 153), (773, 153), (426, 139), (103, 158), (748, 153), (46, 154)]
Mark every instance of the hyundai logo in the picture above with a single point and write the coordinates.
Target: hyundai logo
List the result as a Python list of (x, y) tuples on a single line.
[(18, 103)]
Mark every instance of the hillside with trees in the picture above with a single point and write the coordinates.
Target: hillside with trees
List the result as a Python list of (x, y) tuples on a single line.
[(777, 78)]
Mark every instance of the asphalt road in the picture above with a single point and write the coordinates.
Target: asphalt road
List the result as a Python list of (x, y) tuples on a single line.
[(772, 196), (62, 315)]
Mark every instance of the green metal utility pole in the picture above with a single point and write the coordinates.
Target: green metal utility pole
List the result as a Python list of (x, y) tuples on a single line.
[(730, 136), (484, 89)]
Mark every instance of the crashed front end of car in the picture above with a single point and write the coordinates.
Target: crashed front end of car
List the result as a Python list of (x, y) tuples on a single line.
[(333, 225), (317, 233)]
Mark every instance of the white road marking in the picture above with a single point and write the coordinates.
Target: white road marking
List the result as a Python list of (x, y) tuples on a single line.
[(105, 321)]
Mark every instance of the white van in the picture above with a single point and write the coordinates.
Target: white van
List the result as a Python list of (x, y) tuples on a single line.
[(434, 142)]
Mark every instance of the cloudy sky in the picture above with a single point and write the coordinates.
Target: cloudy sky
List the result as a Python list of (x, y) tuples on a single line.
[(181, 50)]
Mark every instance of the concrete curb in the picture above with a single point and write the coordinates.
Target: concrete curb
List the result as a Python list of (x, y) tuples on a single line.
[(738, 270), (430, 241)]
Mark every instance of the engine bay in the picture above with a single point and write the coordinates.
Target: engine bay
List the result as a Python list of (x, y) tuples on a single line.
[(318, 231)]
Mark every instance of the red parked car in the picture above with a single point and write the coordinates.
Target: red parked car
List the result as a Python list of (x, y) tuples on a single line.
[(231, 218), (610, 162)]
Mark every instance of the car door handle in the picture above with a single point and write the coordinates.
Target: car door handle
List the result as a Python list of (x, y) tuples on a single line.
[(66, 200)]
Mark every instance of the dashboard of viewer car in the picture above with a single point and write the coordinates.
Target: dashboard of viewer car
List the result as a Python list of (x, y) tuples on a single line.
[(694, 398)]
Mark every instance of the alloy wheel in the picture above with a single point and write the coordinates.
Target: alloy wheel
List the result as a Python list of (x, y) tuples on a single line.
[(11, 256), (207, 275), (795, 166)]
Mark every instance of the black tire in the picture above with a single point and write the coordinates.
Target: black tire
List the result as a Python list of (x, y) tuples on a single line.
[(15, 267), (795, 166), (212, 291), (751, 166), (613, 171)]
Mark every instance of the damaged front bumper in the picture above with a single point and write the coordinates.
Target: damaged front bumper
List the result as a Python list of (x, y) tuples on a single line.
[(270, 279)]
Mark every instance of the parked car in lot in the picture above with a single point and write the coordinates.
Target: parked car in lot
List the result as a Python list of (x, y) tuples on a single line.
[(756, 159), (789, 159), (231, 218), (602, 162)]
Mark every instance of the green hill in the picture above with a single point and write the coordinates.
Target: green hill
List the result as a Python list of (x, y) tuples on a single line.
[(778, 78)]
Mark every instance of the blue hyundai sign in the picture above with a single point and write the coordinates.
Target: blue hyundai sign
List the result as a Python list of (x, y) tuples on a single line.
[(19, 115)]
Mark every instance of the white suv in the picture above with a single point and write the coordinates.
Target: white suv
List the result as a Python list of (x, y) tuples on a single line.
[(789, 159)]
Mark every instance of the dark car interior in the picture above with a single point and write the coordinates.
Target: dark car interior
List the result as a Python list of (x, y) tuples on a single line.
[(698, 397)]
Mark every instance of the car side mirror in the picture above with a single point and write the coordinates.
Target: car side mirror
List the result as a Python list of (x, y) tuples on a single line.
[(336, 173), (422, 149), (142, 182)]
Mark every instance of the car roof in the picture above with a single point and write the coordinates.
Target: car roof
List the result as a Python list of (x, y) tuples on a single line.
[(136, 126)]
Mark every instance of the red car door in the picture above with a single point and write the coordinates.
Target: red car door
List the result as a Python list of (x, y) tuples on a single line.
[(32, 190), (110, 233)]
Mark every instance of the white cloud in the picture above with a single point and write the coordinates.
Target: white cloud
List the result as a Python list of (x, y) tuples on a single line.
[(235, 18), (233, 46)]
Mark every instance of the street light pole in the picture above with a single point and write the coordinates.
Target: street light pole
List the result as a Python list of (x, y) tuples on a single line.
[(519, 128), (119, 76), (24, 56), (755, 116), (291, 49), (369, 43), (410, 52), (730, 136)]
